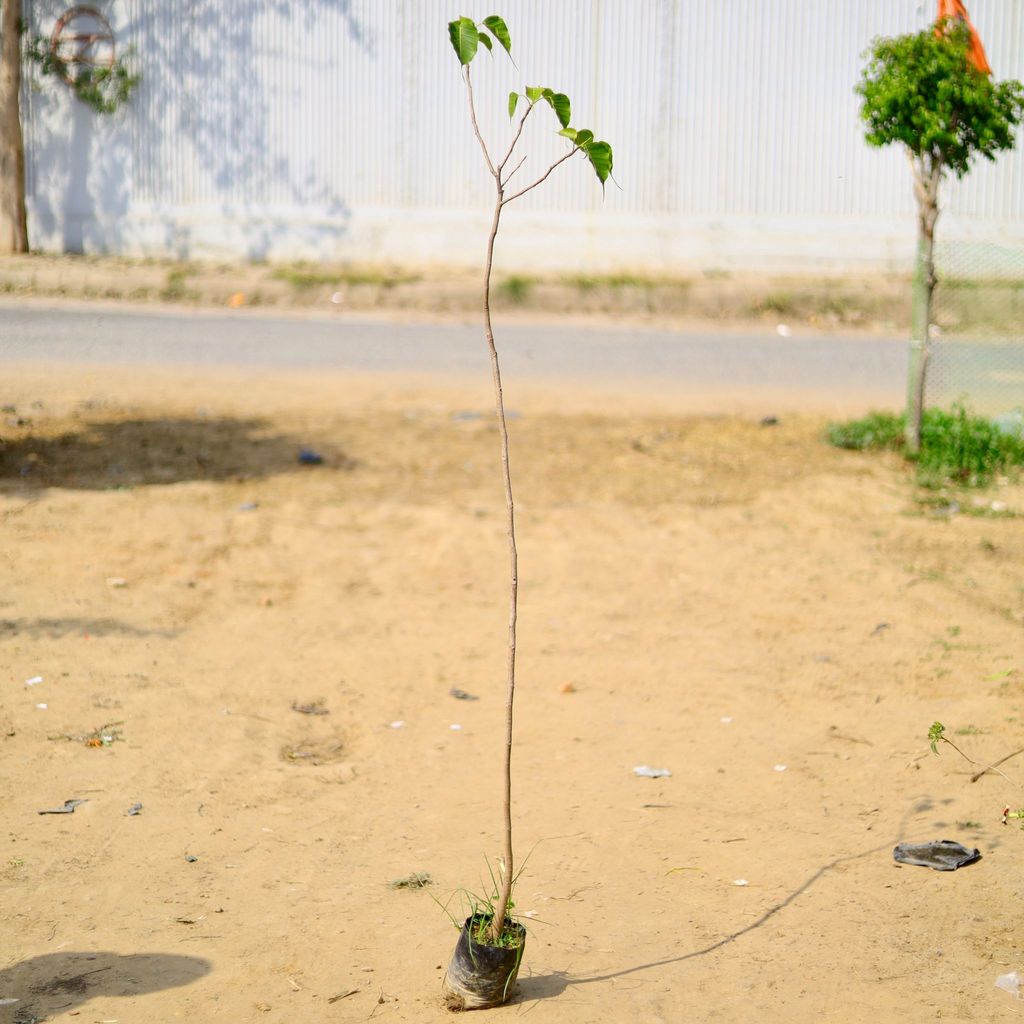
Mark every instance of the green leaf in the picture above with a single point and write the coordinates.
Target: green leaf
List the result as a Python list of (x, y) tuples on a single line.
[(500, 31), (485, 39), (560, 105), (569, 133), (464, 37), (583, 137), (513, 99), (600, 156), (534, 92)]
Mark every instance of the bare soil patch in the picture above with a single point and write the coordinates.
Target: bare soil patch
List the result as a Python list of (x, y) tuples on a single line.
[(775, 621)]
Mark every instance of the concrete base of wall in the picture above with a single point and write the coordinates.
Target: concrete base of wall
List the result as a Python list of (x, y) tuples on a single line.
[(530, 241)]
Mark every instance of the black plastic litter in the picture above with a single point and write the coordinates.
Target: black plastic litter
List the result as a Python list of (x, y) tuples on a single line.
[(68, 808), (940, 854), (308, 457)]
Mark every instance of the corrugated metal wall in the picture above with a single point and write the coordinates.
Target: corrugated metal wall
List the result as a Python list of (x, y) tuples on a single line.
[(338, 128)]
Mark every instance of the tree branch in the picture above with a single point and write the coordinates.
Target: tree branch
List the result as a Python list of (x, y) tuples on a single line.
[(476, 127), (508, 177), (544, 176), (512, 146)]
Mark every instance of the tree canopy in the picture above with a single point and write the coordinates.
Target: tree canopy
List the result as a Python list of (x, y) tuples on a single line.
[(924, 91)]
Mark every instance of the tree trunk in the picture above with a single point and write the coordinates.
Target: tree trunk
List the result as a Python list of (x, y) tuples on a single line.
[(924, 289), (507, 867), (13, 222)]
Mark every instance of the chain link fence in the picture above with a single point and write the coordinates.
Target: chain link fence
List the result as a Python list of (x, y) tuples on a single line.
[(977, 332)]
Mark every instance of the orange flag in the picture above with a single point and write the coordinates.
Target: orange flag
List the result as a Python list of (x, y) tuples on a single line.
[(955, 10)]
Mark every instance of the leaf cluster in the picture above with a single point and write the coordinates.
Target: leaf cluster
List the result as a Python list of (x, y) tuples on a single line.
[(104, 89), (922, 90), (467, 36)]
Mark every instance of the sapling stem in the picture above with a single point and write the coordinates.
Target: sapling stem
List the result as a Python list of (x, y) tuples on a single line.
[(465, 36), (507, 867), (507, 872)]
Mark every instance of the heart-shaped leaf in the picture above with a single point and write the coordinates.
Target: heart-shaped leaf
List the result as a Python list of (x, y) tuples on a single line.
[(500, 32), (560, 105), (600, 156), (464, 37)]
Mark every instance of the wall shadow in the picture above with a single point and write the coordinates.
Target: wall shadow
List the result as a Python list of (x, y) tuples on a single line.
[(201, 134), (55, 982), (164, 450)]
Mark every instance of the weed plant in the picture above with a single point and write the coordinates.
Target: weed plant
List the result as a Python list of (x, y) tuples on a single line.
[(878, 431), (956, 445), (481, 908)]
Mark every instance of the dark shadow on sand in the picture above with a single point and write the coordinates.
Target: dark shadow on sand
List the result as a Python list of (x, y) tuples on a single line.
[(108, 455), (58, 982), (56, 628)]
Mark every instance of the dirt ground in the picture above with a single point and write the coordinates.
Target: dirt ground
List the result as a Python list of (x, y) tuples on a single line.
[(776, 622)]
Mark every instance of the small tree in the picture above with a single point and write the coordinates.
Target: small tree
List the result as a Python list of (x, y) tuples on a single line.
[(466, 38), (926, 92)]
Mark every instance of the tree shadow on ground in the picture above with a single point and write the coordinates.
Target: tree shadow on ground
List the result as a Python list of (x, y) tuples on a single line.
[(117, 454), (546, 986), (56, 628), (56, 982)]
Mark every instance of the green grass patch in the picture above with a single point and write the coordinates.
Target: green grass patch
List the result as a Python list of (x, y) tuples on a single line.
[(615, 282), (176, 287), (305, 276), (878, 431), (516, 289), (955, 445)]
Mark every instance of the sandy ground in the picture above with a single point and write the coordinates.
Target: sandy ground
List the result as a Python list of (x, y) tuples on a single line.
[(776, 622)]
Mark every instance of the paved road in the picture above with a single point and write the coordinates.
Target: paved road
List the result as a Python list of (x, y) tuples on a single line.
[(841, 368)]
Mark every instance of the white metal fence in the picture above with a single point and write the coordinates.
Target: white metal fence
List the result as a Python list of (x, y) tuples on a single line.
[(337, 129)]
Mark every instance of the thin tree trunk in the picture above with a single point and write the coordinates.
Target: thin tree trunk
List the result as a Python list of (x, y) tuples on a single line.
[(500, 180), (507, 869), (920, 345), (927, 171), (13, 222)]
